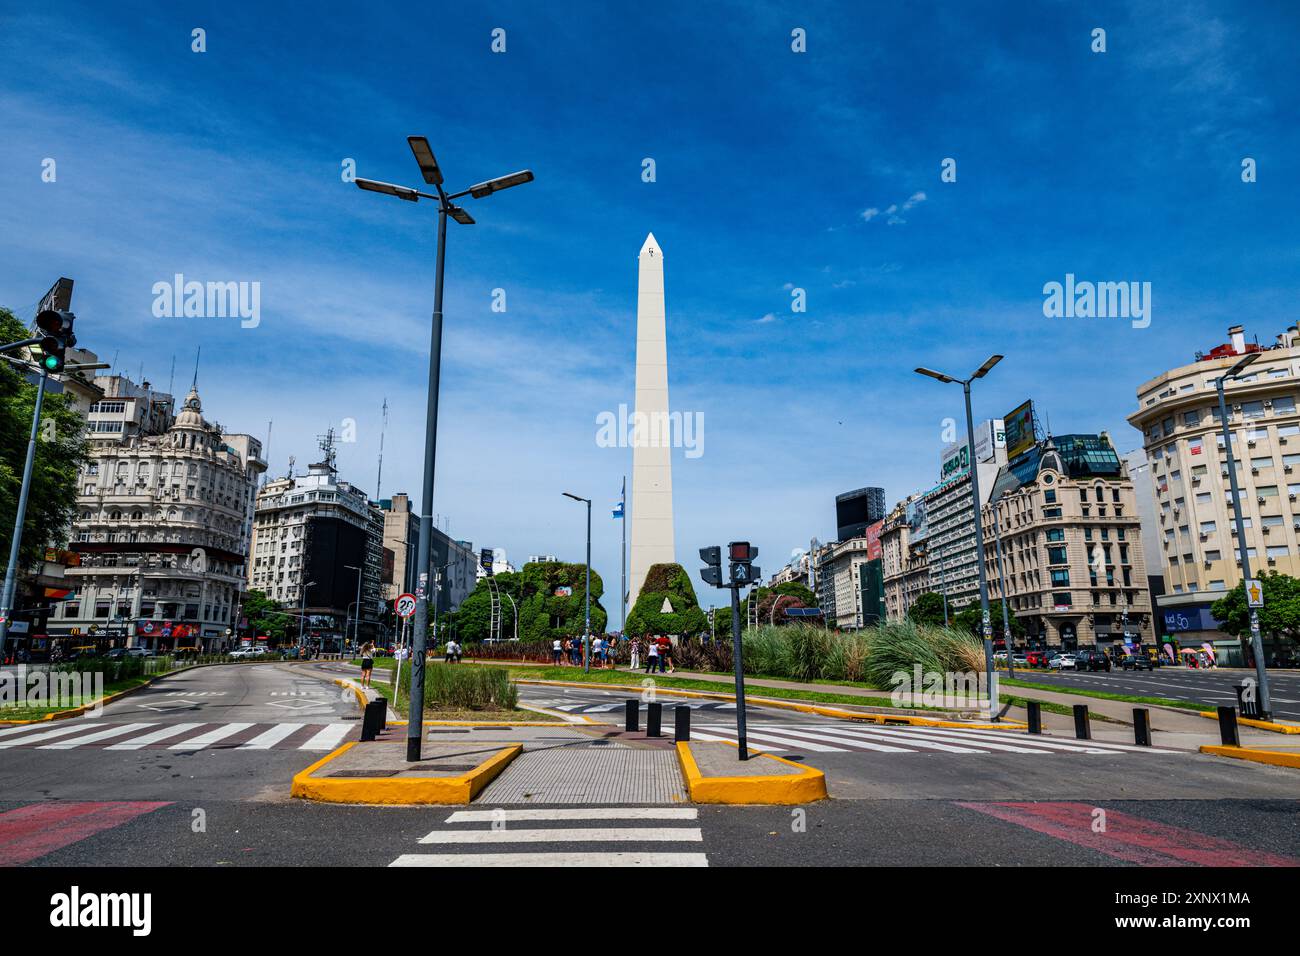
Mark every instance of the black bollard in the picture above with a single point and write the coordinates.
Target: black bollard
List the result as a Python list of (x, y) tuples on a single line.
[(1082, 729), (1228, 727), (383, 720), (633, 716), (653, 715), (682, 722), (372, 719), (1035, 716), (1141, 727)]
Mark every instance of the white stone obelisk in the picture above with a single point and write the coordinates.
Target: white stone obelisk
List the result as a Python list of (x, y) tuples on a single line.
[(652, 468)]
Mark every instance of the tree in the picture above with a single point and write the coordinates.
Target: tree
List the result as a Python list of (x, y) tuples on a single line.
[(1280, 615), (538, 591), (681, 615), (268, 617), (60, 452), (972, 620), (927, 609)]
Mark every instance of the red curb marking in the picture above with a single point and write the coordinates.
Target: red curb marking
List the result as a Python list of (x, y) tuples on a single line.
[(40, 828), (1133, 839)]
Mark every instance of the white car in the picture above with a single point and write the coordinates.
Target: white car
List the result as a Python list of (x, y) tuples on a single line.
[(1062, 662)]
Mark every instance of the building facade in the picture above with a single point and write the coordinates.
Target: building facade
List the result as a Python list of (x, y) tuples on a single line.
[(1066, 515), (162, 527), (317, 545), (905, 560), (854, 510), (1178, 416)]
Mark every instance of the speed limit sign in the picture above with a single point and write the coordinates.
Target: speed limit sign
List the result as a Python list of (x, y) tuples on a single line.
[(405, 605)]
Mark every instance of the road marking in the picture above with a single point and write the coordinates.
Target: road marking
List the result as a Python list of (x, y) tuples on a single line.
[(33, 831), (761, 735), (154, 737), (211, 737), (98, 735), (1068, 744), (47, 735), (570, 835), (1001, 743), (586, 813), (883, 748), (552, 859), (696, 735), (268, 739), (328, 737)]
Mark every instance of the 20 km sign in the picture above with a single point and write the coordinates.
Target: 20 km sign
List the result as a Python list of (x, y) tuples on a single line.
[(405, 605)]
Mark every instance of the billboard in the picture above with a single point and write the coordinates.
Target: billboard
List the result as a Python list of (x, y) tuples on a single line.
[(1020, 429), (872, 534), (956, 461), (918, 527), (990, 435)]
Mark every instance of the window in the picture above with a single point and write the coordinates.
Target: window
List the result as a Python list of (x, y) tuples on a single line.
[(1191, 419), (1213, 555), (1168, 426), (1062, 599), (1049, 496), (1208, 527), (1277, 551), (1262, 462), (1284, 405), (1252, 409), (1203, 498), (1055, 534), (1266, 491), (1051, 512), (1056, 556), (1061, 577), (1285, 431)]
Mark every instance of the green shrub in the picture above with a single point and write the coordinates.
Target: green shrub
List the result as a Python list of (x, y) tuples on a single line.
[(457, 687)]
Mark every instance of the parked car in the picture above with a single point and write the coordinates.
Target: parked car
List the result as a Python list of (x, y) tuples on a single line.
[(1137, 662), (1091, 659), (1036, 659), (241, 652), (1062, 662), (1020, 660)]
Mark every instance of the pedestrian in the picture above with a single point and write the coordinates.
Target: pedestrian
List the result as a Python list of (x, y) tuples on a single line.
[(665, 653), (636, 653), (367, 662), (652, 655), (556, 649)]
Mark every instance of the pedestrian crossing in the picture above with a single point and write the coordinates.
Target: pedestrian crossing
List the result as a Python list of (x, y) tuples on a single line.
[(186, 737), (568, 705), (821, 738), (564, 836)]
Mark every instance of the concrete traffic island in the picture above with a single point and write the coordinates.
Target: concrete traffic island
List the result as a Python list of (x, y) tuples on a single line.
[(715, 775), (377, 772)]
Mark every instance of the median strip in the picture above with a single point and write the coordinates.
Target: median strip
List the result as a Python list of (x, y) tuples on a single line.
[(378, 773), (710, 769)]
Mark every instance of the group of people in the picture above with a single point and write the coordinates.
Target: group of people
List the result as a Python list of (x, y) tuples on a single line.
[(657, 650), (569, 650)]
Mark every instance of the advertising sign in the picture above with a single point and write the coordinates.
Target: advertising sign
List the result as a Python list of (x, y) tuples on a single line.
[(956, 461), (917, 525), (989, 436), (1020, 429), (872, 535)]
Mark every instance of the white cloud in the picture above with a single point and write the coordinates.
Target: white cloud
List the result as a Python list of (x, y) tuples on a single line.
[(765, 319), (915, 198), (870, 214)]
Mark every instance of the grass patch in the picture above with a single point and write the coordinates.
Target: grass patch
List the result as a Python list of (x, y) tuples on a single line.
[(576, 675), (456, 692), (1104, 695)]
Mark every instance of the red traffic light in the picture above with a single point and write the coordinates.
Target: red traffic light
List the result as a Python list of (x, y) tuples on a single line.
[(741, 551), (55, 322)]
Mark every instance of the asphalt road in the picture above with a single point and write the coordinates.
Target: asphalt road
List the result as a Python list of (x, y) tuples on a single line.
[(1211, 687), (901, 796)]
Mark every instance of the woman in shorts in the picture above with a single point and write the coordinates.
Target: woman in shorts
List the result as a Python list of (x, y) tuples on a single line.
[(367, 662)]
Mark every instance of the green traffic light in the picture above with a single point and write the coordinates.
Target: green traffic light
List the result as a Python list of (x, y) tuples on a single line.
[(51, 362)]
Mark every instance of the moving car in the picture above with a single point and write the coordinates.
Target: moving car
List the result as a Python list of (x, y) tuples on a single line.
[(1137, 662), (1062, 662), (1091, 659)]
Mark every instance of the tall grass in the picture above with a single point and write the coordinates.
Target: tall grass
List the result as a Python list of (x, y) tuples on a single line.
[(457, 687)]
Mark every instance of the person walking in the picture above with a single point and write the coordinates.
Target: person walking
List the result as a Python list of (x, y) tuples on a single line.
[(367, 662), (636, 653), (665, 653), (652, 654)]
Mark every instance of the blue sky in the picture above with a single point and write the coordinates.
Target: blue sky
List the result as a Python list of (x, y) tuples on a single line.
[(226, 165)]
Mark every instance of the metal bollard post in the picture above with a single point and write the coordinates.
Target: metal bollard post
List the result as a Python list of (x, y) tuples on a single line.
[(653, 715), (1228, 727), (1082, 729), (371, 719), (383, 719), (682, 722), (1035, 716), (1141, 726), (633, 720)]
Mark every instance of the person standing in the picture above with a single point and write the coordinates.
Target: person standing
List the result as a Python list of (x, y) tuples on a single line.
[(652, 654), (636, 653), (557, 649), (367, 662), (598, 652)]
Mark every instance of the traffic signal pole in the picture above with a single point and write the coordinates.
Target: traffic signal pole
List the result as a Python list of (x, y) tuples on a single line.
[(15, 546), (739, 669)]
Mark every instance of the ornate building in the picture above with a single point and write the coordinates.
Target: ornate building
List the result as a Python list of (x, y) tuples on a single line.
[(164, 514)]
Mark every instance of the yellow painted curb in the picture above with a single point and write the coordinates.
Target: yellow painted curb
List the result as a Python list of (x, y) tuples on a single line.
[(1274, 757), (820, 710), (400, 791), (1269, 725), (362, 699), (806, 786)]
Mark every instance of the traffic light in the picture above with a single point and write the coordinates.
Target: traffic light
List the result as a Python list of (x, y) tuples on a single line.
[(57, 328), (742, 555), (712, 574)]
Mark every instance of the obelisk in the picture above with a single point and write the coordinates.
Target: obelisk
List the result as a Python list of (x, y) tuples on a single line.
[(652, 468)]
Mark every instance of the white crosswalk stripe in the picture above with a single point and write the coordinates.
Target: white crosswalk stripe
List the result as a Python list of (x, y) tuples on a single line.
[(268, 739), (166, 733), (908, 740), (211, 737), (102, 734), (193, 736), (496, 843), (328, 737)]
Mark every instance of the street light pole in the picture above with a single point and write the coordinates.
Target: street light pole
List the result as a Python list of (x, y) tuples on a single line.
[(356, 628), (432, 174), (586, 597), (986, 628), (1002, 588), (1256, 642)]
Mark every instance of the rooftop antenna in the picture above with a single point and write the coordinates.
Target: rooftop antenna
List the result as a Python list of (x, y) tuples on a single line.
[(197, 355), (171, 379), (266, 451), (379, 479), (326, 443), (291, 461)]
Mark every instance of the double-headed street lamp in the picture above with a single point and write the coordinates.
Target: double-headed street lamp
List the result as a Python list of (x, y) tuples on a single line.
[(432, 174), (985, 627), (302, 610), (586, 597), (1256, 642)]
